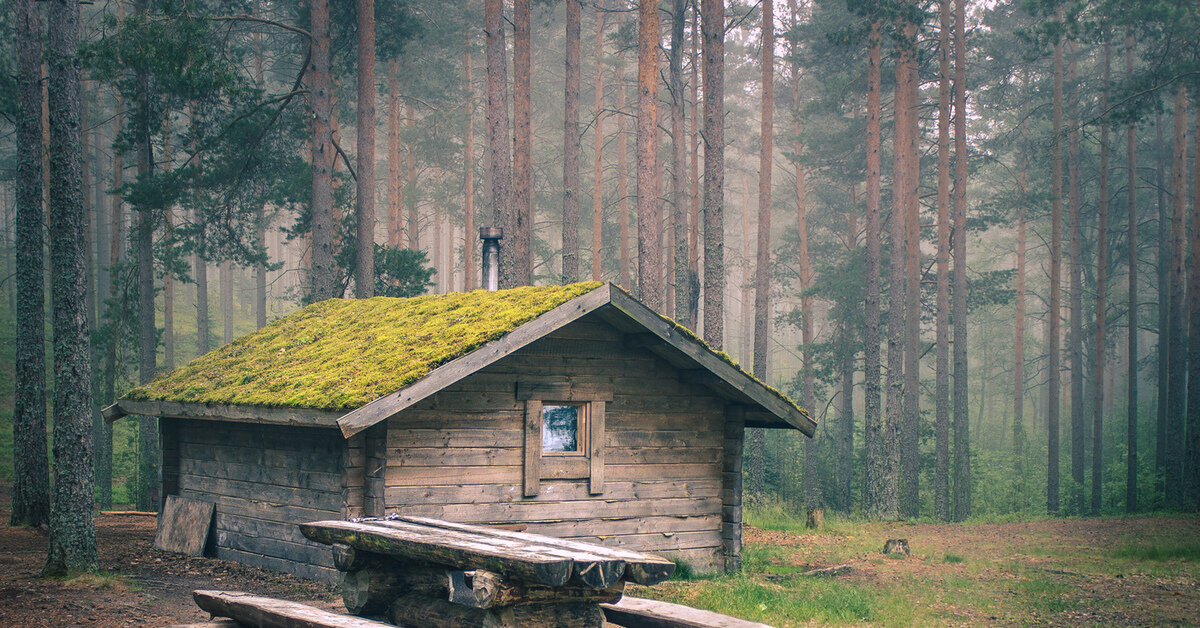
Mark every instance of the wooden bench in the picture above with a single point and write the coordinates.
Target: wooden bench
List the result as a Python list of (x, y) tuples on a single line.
[(416, 571)]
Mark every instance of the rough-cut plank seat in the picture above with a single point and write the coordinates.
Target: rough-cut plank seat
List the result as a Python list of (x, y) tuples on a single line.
[(638, 567), (446, 547), (265, 612), (636, 612)]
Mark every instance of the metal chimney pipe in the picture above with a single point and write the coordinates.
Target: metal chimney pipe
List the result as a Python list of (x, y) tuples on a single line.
[(491, 237)]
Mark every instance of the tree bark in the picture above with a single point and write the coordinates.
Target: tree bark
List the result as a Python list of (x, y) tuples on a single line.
[(1164, 247), (571, 146), (962, 424), (907, 150), (762, 261), (1018, 426), (879, 504), (500, 146), (1177, 365), (323, 282), (102, 430), (226, 277), (713, 28), (680, 277), (598, 153), (1075, 290), (894, 417), (1054, 312), (1101, 297), (626, 275), (941, 395), (147, 328), (694, 192), (394, 158), (1191, 459), (72, 532), (364, 268), (522, 169), (469, 270), (31, 470), (649, 218), (1131, 454)]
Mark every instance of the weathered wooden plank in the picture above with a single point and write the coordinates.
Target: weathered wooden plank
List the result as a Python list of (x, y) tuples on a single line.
[(298, 417), (483, 589), (595, 569), (589, 329), (735, 419), (459, 368), (655, 541), (534, 511), (400, 439), (423, 418), (266, 612), (184, 525), (665, 455), (596, 447), (272, 511), (288, 478), (642, 568), (558, 490), (456, 456), (531, 473), (317, 462), (444, 547), (563, 388), (422, 476), (642, 437), (635, 612), (665, 471), (308, 553), (302, 570), (191, 485)]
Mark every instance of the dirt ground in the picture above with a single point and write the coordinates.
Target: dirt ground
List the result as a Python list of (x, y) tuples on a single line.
[(141, 586)]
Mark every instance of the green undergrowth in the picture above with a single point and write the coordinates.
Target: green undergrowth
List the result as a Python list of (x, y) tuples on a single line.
[(340, 354), (1160, 550)]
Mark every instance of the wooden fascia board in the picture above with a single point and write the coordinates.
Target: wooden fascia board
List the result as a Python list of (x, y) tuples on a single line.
[(459, 368), (714, 364), (300, 417)]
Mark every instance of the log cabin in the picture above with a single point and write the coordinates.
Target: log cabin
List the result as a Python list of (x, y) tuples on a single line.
[(570, 411)]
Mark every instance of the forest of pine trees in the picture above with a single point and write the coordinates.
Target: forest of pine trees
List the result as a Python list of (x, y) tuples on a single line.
[(916, 218)]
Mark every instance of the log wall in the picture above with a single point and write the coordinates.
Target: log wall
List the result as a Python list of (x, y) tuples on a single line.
[(264, 479), (459, 455)]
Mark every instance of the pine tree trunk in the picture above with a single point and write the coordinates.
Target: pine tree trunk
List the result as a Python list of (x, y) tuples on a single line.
[(941, 395), (571, 146), (226, 277), (394, 158), (102, 431), (1018, 426), (1177, 365), (713, 29), (1131, 454), (364, 268), (521, 218), (1101, 297), (876, 488), (962, 425), (168, 277), (148, 331), (31, 470), (679, 277), (411, 195), (1074, 287), (501, 178), (894, 416), (322, 277), (906, 150), (694, 191), (626, 275), (72, 532), (1055, 308), (1164, 247), (598, 153), (1191, 459), (649, 218), (469, 270)]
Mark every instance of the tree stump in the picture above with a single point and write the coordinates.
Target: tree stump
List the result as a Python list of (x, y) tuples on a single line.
[(896, 546), (815, 519)]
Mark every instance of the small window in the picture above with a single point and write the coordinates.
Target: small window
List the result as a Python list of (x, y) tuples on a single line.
[(562, 428)]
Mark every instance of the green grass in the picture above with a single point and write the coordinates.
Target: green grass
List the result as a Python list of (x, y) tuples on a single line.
[(952, 559), (1160, 551)]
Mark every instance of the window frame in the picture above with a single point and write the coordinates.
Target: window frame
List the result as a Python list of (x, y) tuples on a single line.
[(582, 429)]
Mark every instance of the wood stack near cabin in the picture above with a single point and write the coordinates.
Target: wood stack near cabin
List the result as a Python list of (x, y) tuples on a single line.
[(427, 572)]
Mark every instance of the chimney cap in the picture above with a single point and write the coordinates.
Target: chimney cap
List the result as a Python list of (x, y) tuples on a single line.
[(491, 233)]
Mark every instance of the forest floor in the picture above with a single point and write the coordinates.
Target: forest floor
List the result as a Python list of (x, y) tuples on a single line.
[(1116, 571)]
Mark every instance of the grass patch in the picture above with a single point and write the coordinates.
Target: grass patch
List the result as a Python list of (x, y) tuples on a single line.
[(1160, 551), (952, 559), (102, 580)]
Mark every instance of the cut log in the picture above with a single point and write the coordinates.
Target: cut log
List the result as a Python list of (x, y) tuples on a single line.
[(639, 567), (815, 519), (348, 558), (484, 589), (443, 547), (896, 546), (371, 590), (636, 612), (415, 610), (835, 570), (264, 612)]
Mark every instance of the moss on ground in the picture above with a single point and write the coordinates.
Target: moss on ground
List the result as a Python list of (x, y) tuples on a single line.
[(341, 354)]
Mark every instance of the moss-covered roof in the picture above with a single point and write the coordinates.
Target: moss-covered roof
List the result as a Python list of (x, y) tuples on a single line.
[(341, 354)]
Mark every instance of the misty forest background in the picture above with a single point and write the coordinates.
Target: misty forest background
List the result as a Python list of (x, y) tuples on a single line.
[(958, 235)]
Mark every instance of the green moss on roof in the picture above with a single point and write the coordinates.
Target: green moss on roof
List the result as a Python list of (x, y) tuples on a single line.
[(341, 354)]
